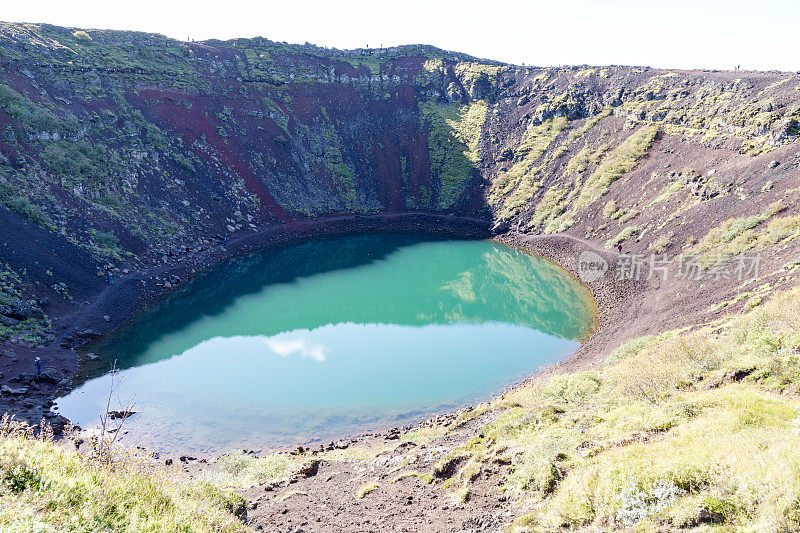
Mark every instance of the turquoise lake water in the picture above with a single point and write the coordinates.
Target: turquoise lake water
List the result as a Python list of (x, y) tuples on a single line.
[(331, 337)]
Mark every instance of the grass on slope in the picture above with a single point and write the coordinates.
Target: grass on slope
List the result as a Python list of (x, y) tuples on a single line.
[(557, 209), (453, 137), (45, 487), (739, 235), (514, 188), (618, 162), (681, 430), (244, 470), (23, 205)]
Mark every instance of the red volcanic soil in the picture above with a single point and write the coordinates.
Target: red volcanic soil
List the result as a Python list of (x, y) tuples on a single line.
[(193, 125)]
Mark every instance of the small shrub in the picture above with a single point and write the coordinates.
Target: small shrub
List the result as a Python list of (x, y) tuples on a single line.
[(638, 503), (31, 211), (244, 470), (184, 162), (572, 387), (106, 240), (717, 510), (611, 211), (627, 232), (291, 493), (79, 161), (224, 498), (660, 245), (461, 496), (366, 488), (422, 435), (411, 473)]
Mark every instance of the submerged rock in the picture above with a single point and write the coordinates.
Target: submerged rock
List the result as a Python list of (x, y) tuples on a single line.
[(116, 415)]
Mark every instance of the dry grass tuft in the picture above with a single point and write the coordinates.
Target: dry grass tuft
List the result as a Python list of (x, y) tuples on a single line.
[(46, 487), (366, 488)]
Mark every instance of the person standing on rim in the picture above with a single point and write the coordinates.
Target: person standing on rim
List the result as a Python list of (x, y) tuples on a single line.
[(619, 248), (38, 367)]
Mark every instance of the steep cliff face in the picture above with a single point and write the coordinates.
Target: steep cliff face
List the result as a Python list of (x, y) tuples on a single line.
[(119, 149)]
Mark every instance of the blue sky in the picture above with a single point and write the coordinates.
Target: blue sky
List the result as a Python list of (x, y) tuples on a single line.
[(676, 34)]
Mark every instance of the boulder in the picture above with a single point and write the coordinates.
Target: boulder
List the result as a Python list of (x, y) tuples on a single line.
[(24, 378), (58, 423), (87, 334), (51, 375), (501, 226), (65, 385), (309, 469), (21, 310), (5, 389)]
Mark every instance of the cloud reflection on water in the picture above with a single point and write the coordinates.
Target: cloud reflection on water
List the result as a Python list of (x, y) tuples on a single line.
[(296, 347)]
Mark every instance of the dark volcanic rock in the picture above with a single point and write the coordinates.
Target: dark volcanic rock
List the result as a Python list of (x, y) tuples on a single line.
[(5, 389), (87, 334), (309, 469), (51, 375), (21, 310), (116, 415), (8, 321)]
